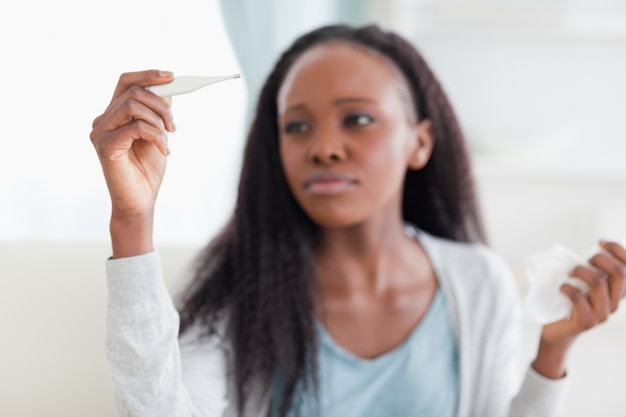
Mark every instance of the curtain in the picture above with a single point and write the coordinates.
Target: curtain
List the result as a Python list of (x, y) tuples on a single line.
[(260, 30)]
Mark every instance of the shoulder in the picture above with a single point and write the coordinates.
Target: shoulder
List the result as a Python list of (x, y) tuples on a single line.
[(472, 268)]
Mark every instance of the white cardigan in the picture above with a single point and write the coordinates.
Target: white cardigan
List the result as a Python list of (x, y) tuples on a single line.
[(156, 374)]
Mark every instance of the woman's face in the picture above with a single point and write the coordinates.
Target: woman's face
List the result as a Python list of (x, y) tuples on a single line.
[(348, 134)]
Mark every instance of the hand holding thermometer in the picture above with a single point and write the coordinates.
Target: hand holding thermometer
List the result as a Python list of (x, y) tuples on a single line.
[(187, 84)]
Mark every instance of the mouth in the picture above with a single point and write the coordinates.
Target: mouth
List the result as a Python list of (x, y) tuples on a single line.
[(328, 183)]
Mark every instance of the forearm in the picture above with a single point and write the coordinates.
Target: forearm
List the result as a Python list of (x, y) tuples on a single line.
[(152, 374), (141, 340), (544, 389)]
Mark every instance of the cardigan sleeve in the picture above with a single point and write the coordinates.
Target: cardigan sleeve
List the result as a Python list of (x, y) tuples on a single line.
[(537, 396), (155, 373)]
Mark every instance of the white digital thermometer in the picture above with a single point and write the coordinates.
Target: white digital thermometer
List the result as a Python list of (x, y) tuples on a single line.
[(187, 84)]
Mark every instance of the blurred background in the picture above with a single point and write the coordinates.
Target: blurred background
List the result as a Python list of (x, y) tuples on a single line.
[(538, 86)]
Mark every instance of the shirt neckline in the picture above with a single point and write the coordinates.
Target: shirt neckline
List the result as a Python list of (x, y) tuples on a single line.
[(328, 341)]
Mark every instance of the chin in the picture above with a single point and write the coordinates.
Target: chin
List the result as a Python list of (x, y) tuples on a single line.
[(329, 220)]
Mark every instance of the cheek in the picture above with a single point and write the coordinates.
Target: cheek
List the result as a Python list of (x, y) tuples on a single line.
[(384, 162), (385, 150)]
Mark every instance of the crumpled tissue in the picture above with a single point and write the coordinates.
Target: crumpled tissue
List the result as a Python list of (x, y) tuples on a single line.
[(545, 272)]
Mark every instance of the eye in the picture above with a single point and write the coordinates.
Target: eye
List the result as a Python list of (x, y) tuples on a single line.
[(357, 120), (297, 126)]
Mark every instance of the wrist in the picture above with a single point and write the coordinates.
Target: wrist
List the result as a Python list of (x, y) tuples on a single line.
[(551, 357), (131, 234)]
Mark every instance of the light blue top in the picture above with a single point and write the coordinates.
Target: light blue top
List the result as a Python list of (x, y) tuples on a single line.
[(420, 377)]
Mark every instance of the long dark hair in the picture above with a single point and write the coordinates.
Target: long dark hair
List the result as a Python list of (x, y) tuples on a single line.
[(258, 275)]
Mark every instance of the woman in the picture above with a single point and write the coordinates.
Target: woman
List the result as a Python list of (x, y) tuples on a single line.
[(353, 278)]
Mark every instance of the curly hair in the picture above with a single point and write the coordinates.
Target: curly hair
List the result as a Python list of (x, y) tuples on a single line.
[(258, 274)]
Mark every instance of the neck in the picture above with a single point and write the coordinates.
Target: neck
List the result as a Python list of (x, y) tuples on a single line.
[(366, 256)]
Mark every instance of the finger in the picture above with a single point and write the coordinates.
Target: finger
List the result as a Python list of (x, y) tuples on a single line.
[(171, 126), (582, 317), (616, 270), (615, 249), (608, 263), (123, 138), (141, 78), (617, 289), (598, 284), (137, 103), (128, 110)]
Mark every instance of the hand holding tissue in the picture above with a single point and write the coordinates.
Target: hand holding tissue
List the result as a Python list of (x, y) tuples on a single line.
[(545, 273)]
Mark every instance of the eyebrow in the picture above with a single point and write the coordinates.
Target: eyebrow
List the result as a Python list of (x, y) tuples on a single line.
[(337, 102), (354, 99)]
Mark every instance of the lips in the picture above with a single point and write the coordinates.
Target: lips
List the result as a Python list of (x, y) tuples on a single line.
[(328, 183)]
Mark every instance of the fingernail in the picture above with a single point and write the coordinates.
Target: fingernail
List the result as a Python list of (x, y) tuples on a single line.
[(166, 140), (173, 125), (165, 74)]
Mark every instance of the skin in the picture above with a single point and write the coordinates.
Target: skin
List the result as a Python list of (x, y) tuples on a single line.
[(343, 110)]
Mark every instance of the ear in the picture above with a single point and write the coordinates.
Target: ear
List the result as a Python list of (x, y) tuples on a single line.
[(424, 143)]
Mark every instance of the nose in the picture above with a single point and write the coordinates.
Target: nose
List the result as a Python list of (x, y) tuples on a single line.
[(327, 148)]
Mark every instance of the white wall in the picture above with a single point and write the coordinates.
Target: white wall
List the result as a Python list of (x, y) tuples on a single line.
[(540, 92), (60, 66)]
